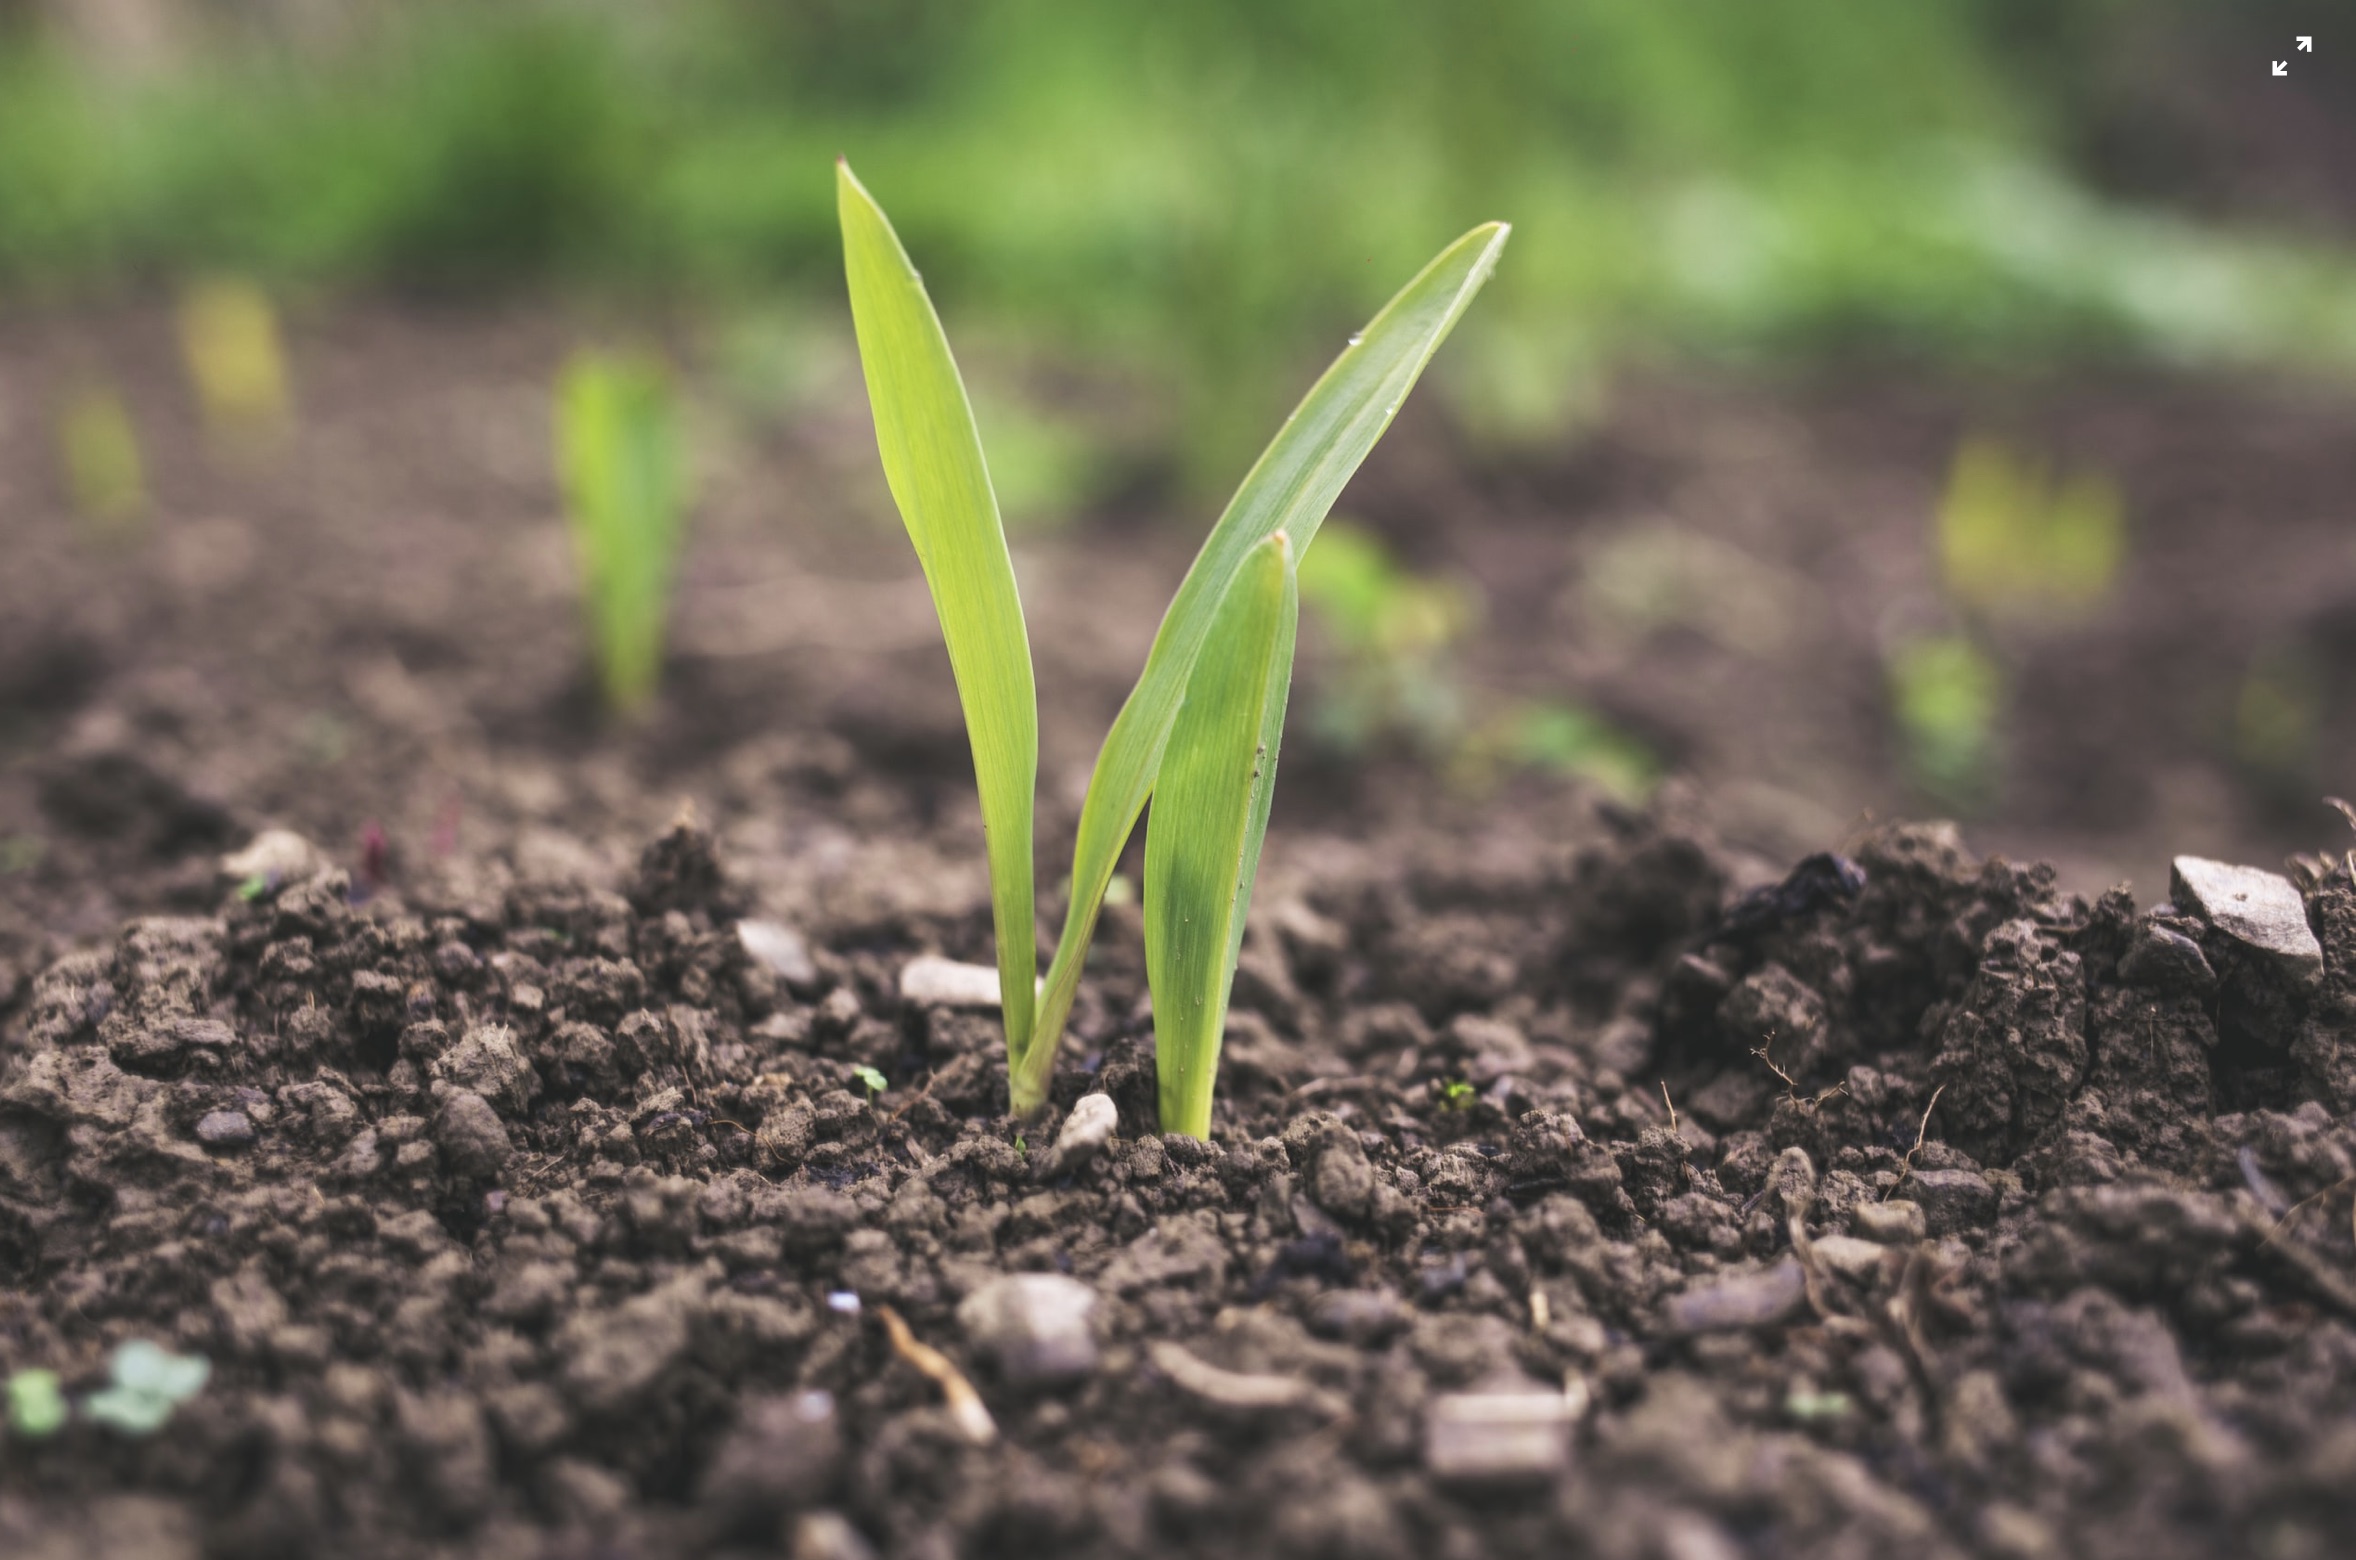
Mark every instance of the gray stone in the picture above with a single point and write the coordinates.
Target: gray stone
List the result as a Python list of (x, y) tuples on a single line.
[(781, 949), (225, 1129), (1760, 1298), (275, 856), (1034, 1326), (471, 1136), (1953, 1201), (932, 981), (1898, 1222), (2256, 908), (1087, 1129), (1505, 1437)]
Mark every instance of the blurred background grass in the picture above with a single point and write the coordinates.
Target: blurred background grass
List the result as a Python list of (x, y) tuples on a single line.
[(1201, 196)]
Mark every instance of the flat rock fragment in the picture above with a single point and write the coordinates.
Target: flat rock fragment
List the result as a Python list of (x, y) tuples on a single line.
[(1760, 1298), (784, 951), (2258, 909), (1509, 1437), (1034, 1326), (932, 981)]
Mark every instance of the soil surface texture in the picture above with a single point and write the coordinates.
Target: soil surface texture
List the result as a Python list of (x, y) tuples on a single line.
[(1562, 1199)]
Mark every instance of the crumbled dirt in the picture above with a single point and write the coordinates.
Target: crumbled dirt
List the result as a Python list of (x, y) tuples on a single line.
[(1906, 1205), (1846, 1204)]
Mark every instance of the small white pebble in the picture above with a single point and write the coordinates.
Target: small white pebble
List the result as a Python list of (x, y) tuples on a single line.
[(932, 981), (844, 1302)]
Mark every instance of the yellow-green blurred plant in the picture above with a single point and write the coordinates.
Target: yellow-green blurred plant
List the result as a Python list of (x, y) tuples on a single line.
[(1392, 631), (98, 449), (2278, 714), (1947, 693), (621, 462), (229, 342), (2018, 537), (1552, 736)]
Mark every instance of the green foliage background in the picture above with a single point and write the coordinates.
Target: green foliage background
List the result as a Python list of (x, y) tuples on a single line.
[(1187, 190)]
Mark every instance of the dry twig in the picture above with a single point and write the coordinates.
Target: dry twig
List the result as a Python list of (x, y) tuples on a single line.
[(1791, 1085), (965, 1404), (1921, 1130)]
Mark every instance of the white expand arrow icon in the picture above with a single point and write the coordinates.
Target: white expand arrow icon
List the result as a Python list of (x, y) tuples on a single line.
[(2282, 67), (2306, 44)]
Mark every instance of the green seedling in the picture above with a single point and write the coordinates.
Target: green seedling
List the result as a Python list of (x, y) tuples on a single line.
[(2279, 715), (2015, 537), (98, 447), (1392, 630), (147, 1383), (1456, 1094), (1947, 694), (1564, 739), (874, 1082), (620, 459), (36, 1404), (229, 342), (1199, 731)]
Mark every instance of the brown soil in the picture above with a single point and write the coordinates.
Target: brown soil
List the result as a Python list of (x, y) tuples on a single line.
[(536, 1225)]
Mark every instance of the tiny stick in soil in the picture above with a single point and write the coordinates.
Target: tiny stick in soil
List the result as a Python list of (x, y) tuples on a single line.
[(1906, 1166), (965, 1404)]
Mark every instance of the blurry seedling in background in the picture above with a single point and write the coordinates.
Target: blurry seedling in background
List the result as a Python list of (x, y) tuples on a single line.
[(147, 1383), (1552, 737), (1392, 631), (2278, 716), (98, 449), (1199, 733), (1041, 468), (622, 466), (2017, 538), (229, 342), (1947, 694), (36, 1404)]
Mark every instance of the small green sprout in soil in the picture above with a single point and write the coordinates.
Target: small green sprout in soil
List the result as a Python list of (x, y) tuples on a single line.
[(2016, 537), (229, 342), (98, 452), (1199, 733), (146, 1383), (36, 1404), (2279, 715), (1392, 630), (1947, 693), (874, 1082), (620, 458), (1552, 736), (1456, 1094)]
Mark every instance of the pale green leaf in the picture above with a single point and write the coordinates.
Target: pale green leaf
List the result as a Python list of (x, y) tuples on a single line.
[(1288, 492), (618, 456), (1210, 813), (932, 459)]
